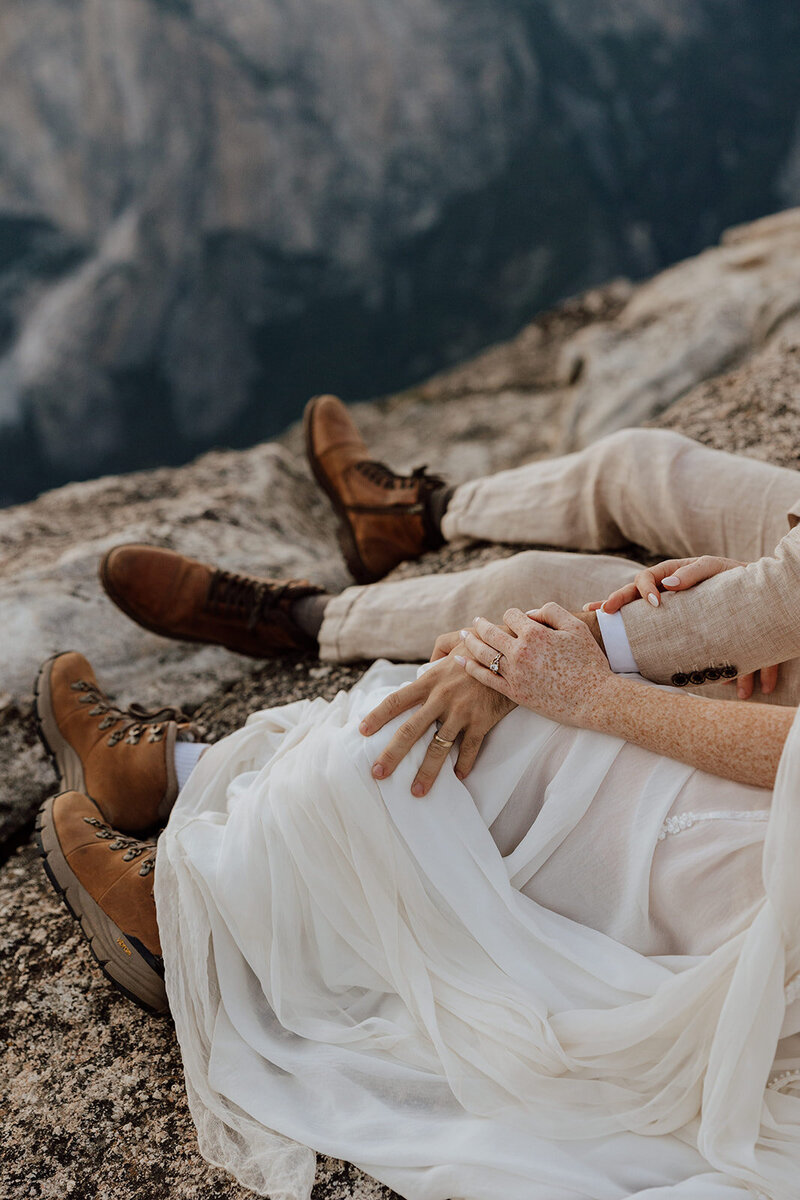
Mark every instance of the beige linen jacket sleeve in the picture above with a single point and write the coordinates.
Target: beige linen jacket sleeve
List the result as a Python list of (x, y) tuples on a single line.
[(732, 624)]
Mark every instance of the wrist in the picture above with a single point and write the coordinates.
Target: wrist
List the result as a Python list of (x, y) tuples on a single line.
[(606, 702), (593, 625)]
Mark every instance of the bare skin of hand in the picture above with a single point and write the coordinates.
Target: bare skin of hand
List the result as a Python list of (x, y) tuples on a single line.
[(464, 708), (444, 644), (457, 704), (552, 666), (676, 575), (447, 642), (551, 662)]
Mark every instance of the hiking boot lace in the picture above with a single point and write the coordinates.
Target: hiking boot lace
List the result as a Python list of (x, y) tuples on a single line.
[(133, 847), (251, 600), (136, 719), (384, 477)]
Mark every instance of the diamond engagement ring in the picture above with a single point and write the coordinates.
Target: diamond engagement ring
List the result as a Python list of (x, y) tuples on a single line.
[(494, 665)]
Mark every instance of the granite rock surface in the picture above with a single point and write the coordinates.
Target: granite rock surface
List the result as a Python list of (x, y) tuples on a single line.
[(92, 1088)]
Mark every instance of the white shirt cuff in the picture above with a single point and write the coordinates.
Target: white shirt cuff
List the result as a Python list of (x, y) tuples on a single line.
[(615, 642)]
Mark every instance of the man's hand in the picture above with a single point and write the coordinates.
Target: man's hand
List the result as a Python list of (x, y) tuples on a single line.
[(676, 575), (446, 694), (444, 643)]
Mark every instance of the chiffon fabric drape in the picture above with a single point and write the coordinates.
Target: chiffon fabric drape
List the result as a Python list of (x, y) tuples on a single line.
[(573, 976)]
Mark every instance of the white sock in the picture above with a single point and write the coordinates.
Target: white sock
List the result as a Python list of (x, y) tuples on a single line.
[(186, 757)]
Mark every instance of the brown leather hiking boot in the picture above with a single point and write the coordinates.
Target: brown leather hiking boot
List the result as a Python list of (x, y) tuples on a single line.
[(384, 518), (123, 758), (182, 598), (106, 881)]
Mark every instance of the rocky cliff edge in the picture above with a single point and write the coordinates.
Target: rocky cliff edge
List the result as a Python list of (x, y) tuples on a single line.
[(93, 1090)]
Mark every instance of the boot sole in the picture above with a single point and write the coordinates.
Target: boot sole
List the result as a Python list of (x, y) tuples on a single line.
[(344, 530), (114, 951), (66, 762)]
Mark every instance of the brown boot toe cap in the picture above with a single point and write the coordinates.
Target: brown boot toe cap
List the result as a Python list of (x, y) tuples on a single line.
[(329, 426), (150, 584)]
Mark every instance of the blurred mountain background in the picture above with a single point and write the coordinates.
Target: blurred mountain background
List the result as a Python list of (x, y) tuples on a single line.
[(210, 209)]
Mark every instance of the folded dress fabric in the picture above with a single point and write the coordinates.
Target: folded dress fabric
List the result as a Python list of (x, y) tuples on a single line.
[(570, 977)]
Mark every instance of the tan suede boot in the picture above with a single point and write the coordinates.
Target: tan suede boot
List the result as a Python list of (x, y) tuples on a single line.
[(106, 881), (123, 758), (183, 598), (384, 518)]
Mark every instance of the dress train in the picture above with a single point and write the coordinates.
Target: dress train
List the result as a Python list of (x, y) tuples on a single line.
[(569, 978)]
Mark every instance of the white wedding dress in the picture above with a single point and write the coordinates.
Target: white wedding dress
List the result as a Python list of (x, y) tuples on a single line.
[(572, 977)]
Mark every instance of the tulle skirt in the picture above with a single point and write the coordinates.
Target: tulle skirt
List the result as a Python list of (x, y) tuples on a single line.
[(573, 976)]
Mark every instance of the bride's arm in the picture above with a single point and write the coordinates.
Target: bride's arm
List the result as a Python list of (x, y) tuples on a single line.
[(736, 741), (552, 664)]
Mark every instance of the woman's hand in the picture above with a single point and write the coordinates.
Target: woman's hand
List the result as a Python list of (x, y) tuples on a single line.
[(672, 575), (443, 693), (549, 662), (675, 575)]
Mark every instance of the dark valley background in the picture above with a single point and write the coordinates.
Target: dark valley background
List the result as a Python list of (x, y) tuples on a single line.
[(211, 209)]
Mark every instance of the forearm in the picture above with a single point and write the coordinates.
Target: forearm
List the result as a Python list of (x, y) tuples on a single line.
[(739, 742), (552, 665)]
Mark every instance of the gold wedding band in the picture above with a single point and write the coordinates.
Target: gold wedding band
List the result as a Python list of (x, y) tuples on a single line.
[(494, 665), (440, 741)]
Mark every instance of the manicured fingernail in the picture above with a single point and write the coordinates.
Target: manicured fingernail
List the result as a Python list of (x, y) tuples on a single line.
[(462, 633), (459, 659), (671, 580), (584, 609), (653, 599), (379, 770), (417, 789), (364, 727)]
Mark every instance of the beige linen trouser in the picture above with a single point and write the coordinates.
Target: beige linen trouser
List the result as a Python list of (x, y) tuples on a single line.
[(645, 487)]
